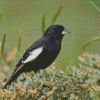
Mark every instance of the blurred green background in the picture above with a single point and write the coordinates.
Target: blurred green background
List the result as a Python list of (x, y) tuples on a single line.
[(80, 17)]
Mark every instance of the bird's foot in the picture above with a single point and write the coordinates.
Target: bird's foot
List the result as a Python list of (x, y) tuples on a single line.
[(29, 74), (40, 76), (45, 74)]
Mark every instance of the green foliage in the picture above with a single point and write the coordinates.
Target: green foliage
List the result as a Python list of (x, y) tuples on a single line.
[(93, 63), (56, 15), (55, 85), (0, 15), (19, 42), (43, 23), (3, 44), (87, 43)]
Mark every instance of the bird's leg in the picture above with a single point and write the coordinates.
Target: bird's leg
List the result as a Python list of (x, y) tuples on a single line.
[(40, 76), (29, 74), (45, 73)]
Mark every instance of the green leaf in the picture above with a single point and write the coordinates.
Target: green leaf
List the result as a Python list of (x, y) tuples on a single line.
[(43, 23), (3, 44), (56, 15), (19, 42), (91, 41), (0, 15)]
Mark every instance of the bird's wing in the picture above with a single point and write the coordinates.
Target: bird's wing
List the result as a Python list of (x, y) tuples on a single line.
[(31, 54)]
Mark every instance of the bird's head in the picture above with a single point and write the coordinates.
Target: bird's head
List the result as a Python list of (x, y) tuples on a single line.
[(56, 31)]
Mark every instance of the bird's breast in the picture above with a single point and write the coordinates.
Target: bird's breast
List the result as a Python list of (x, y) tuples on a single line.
[(52, 49)]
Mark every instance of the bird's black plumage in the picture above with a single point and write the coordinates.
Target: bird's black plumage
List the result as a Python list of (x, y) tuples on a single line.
[(41, 53)]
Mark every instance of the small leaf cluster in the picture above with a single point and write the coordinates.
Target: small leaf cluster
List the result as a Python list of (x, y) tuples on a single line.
[(92, 62), (74, 84)]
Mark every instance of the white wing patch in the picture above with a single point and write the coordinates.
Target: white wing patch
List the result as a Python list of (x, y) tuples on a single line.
[(33, 55)]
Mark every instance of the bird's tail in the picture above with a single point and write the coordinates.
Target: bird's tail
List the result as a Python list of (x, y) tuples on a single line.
[(11, 79), (14, 75), (8, 82)]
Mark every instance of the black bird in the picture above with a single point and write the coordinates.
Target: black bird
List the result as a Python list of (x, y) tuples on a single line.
[(41, 53)]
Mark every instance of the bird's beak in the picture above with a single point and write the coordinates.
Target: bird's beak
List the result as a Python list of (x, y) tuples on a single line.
[(65, 31)]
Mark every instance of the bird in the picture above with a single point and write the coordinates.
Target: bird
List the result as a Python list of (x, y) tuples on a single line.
[(41, 53)]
